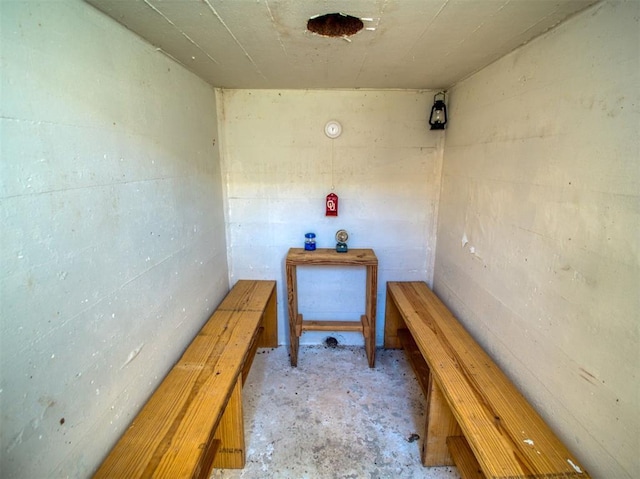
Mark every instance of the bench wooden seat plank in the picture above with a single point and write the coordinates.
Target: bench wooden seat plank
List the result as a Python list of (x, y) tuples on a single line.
[(497, 454), (251, 295), (507, 405), (506, 435), (171, 430), (247, 295), (193, 421)]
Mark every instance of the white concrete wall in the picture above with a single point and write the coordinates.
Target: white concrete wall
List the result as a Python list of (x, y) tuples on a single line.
[(539, 227), (277, 169), (112, 242)]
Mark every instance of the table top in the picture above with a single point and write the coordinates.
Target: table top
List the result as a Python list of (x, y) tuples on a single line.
[(329, 256)]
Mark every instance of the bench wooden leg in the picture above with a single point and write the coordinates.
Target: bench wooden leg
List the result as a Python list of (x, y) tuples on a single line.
[(369, 333), (230, 433), (269, 336), (203, 470), (392, 323), (417, 362), (466, 463), (440, 424), (250, 357)]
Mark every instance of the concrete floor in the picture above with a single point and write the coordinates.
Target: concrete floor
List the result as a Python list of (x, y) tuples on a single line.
[(333, 417)]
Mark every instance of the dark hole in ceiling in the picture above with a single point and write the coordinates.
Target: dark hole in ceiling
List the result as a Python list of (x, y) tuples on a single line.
[(335, 25)]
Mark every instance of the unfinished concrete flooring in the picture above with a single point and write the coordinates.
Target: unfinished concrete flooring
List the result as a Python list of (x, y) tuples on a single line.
[(333, 417)]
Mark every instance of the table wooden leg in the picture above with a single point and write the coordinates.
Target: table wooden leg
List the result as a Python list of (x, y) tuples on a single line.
[(371, 305), (292, 300)]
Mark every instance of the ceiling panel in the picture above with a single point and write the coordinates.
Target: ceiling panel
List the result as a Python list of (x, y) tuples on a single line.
[(408, 44)]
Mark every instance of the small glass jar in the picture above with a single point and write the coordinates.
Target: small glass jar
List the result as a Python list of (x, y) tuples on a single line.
[(310, 242)]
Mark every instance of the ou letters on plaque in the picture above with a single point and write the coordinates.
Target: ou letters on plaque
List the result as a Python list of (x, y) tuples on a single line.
[(331, 205)]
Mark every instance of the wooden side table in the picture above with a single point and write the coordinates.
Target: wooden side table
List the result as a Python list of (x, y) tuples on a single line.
[(329, 257)]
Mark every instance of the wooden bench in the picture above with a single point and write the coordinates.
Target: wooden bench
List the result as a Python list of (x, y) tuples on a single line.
[(476, 418), (193, 422)]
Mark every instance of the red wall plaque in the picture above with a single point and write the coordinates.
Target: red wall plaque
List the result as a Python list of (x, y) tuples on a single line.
[(332, 205)]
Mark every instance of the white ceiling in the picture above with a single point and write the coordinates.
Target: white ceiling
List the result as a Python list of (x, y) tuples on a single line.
[(407, 44)]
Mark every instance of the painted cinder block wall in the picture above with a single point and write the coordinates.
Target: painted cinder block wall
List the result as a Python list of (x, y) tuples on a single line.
[(539, 227), (112, 248), (278, 167)]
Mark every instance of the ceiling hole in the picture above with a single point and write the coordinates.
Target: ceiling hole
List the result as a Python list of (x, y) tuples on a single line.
[(335, 25)]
